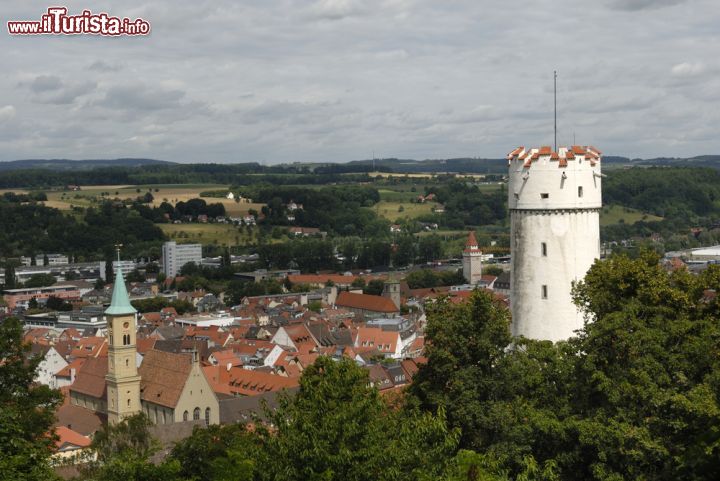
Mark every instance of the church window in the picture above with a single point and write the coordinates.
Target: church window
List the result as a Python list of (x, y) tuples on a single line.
[(580, 191), (126, 339), (196, 414), (543, 249), (185, 416), (544, 292), (544, 195), (207, 416)]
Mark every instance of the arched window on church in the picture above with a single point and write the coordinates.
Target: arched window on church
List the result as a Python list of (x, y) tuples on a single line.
[(207, 416), (185, 416), (126, 339), (196, 414)]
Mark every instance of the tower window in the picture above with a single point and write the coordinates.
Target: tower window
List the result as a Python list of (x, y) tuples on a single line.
[(580, 191), (543, 291), (126, 339), (543, 249), (127, 362), (544, 195)]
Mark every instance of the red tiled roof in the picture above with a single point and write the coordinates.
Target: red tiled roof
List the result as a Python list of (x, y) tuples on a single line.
[(383, 341), (69, 438), (90, 379), (249, 383), (163, 376), (471, 240), (365, 302)]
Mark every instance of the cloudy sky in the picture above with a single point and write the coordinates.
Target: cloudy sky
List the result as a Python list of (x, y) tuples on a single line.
[(336, 80)]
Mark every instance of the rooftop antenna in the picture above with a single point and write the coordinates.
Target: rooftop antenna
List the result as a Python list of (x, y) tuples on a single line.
[(555, 107)]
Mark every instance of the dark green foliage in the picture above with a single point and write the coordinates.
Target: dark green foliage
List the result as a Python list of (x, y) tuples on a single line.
[(54, 303), (375, 287), (430, 248), (304, 254), (26, 410), (154, 304), (40, 280), (466, 205), (634, 396), (337, 427), (218, 453), (122, 452), (134, 276), (430, 278), (336, 210), (36, 228), (237, 290)]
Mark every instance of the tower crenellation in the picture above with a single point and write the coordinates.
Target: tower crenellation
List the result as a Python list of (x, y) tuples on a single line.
[(554, 199)]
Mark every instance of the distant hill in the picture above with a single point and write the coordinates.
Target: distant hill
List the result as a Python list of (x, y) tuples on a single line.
[(408, 166), (66, 164)]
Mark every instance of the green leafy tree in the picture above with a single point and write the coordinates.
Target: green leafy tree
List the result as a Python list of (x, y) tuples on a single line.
[(26, 410), (122, 452), (338, 427), (40, 280), (10, 279), (375, 287), (218, 453)]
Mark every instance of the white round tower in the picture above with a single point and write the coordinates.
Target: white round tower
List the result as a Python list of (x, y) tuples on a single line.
[(554, 200)]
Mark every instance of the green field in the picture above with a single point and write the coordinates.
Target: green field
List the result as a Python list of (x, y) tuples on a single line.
[(219, 234), (390, 210), (172, 193), (613, 214)]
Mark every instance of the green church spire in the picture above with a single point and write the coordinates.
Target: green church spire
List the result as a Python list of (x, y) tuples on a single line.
[(120, 303)]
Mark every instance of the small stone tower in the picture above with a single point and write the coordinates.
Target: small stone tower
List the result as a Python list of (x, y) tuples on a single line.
[(472, 260), (555, 200), (391, 290), (123, 381)]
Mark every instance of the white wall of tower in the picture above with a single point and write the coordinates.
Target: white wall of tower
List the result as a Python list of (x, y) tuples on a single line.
[(555, 237)]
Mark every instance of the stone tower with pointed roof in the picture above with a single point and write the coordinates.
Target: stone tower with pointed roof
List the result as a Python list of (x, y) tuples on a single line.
[(472, 260), (123, 381)]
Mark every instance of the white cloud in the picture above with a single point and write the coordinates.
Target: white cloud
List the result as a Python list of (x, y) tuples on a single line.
[(6, 113), (332, 80), (688, 69)]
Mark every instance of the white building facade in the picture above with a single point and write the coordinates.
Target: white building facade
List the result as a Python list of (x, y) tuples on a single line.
[(554, 200), (124, 267), (175, 256)]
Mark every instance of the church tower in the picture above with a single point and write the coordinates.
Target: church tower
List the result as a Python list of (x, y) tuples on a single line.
[(472, 260), (123, 381)]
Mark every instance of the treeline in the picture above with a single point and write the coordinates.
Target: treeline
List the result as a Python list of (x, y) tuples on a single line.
[(466, 205), (684, 197), (192, 208), (333, 209), (238, 174), (29, 229), (315, 254), (671, 192)]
